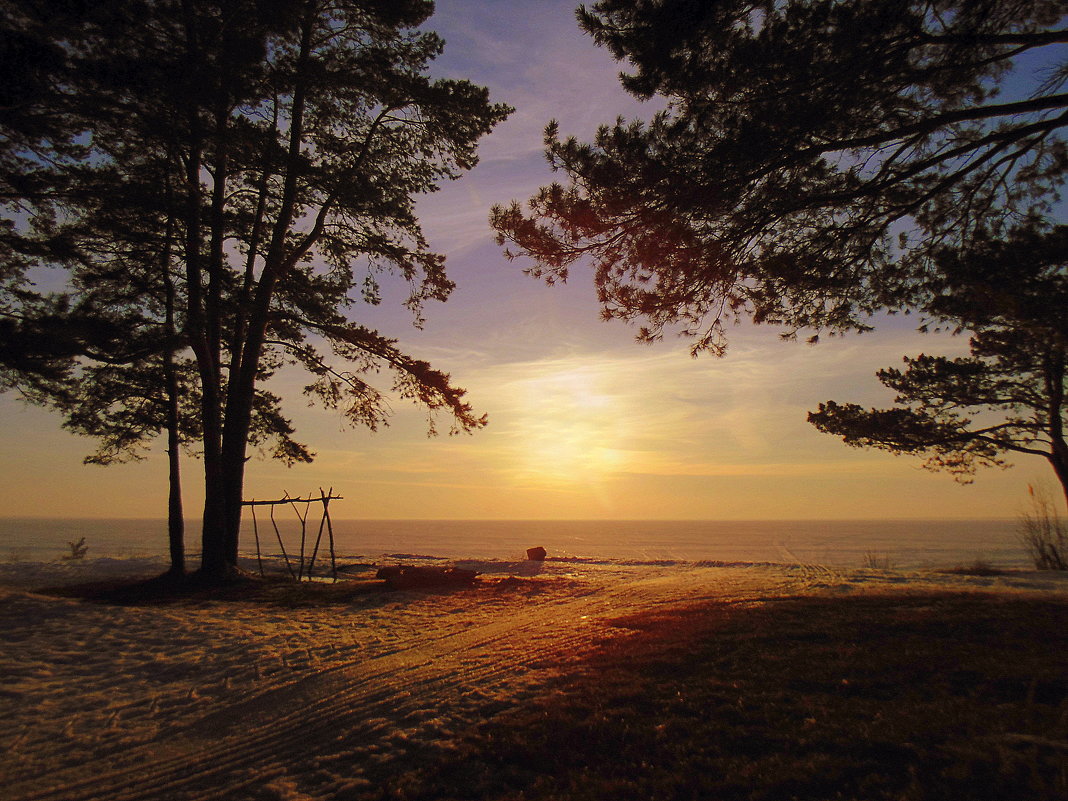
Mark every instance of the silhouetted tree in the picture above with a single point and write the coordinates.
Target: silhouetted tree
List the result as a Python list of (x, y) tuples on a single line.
[(103, 349), (1009, 396), (316, 150), (294, 136), (813, 156)]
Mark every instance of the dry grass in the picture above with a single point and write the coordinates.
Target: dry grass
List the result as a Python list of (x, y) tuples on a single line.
[(1043, 533), (903, 697)]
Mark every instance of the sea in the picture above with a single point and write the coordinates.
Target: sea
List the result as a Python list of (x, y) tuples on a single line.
[(899, 544)]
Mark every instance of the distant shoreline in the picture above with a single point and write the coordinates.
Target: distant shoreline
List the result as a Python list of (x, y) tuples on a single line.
[(905, 543)]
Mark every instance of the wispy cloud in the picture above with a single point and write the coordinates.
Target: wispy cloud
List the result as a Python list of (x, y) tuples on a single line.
[(534, 57), (661, 412)]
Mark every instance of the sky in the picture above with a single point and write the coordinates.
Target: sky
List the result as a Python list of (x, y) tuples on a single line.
[(584, 423)]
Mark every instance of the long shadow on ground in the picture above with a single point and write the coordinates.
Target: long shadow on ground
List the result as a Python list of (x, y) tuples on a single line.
[(870, 697)]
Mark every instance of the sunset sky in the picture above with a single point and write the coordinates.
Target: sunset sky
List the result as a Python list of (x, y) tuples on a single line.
[(584, 422)]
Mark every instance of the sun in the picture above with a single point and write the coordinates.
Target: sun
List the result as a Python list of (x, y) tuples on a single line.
[(568, 427)]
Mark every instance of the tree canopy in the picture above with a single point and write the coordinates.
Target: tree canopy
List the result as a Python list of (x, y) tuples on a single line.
[(1011, 394), (813, 157)]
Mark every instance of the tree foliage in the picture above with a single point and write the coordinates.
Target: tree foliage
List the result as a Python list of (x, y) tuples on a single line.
[(813, 157), (1009, 395)]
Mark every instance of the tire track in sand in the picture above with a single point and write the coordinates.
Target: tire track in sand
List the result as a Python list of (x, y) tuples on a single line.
[(339, 712)]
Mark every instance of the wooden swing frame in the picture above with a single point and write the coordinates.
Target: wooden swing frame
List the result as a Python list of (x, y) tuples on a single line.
[(324, 523)]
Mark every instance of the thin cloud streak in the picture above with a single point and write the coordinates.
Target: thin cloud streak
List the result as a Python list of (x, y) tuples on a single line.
[(599, 413)]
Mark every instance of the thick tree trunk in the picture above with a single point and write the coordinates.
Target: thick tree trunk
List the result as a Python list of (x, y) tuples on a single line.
[(240, 395), (214, 561), (235, 442), (214, 565)]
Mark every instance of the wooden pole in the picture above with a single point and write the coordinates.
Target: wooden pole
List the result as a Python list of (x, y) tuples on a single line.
[(319, 536), (288, 500), (256, 533), (281, 545), (330, 529), (324, 498), (303, 532)]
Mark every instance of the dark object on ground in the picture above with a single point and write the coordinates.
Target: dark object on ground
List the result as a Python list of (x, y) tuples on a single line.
[(976, 568), (536, 554), (403, 577)]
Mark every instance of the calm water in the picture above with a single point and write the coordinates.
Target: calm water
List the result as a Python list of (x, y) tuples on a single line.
[(907, 543)]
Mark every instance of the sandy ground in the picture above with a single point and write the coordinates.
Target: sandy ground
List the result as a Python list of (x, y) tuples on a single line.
[(214, 699)]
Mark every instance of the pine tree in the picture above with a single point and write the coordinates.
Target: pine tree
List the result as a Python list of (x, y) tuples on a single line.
[(1011, 394)]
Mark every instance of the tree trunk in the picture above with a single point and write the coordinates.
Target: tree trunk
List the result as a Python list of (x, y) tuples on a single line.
[(1059, 459), (175, 516), (175, 512), (238, 417), (240, 391), (214, 563), (1055, 362)]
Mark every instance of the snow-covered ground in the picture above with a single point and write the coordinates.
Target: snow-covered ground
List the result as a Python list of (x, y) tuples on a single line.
[(261, 699)]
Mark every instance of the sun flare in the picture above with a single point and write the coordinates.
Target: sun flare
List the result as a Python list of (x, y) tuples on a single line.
[(570, 428)]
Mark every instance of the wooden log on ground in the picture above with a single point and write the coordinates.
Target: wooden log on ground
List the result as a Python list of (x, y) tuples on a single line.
[(406, 577)]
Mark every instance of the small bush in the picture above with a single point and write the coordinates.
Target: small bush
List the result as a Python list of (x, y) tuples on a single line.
[(77, 550), (1043, 532)]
